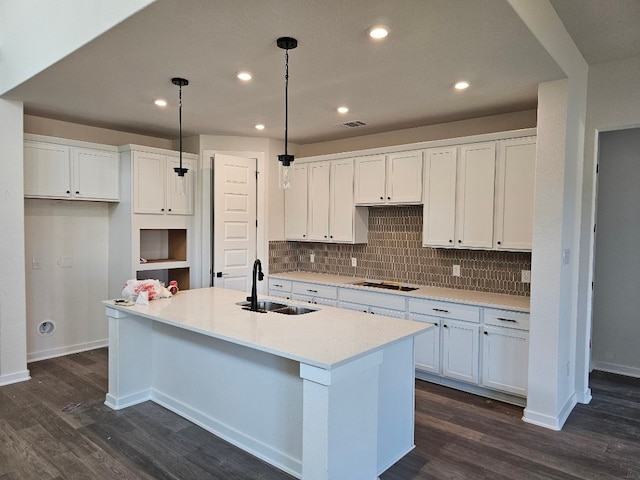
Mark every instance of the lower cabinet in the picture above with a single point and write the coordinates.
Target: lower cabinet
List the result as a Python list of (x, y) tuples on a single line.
[(427, 345), (314, 293), (460, 347), (505, 351)]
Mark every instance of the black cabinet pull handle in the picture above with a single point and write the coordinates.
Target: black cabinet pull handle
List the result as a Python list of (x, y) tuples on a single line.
[(446, 326), (499, 242), (388, 198), (486, 333), (459, 241), (169, 209), (162, 209), (77, 192), (68, 191), (440, 310), (277, 285), (506, 320), (450, 241), (381, 198), (312, 291)]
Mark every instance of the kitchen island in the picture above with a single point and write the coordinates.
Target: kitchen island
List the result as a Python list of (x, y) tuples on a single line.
[(324, 395)]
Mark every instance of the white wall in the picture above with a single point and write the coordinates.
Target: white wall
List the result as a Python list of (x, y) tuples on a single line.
[(68, 297), (34, 34), (462, 128), (13, 345), (613, 87), (85, 133)]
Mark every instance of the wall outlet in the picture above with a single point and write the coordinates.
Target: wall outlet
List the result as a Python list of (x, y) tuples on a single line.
[(456, 270), (354, 262), (65, 262), (526, 276), (312, 257), (35, 263)]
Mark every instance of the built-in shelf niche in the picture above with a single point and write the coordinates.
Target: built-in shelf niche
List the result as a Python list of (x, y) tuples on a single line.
[(165, 275), (163, 245)]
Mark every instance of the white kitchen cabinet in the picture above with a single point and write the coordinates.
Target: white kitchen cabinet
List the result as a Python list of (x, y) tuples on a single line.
[(296, 204), (427, 345), (460, 348), (459, 196), (515, 182), (318, 194), (322, 209), (157, 188), (476, 192), (395, 178), (505, 351), (314, 293), (439, 211), (66, 169), (280, 288)]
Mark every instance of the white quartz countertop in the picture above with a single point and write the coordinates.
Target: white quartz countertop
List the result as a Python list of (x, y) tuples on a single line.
[(471, 297), (326, 338)]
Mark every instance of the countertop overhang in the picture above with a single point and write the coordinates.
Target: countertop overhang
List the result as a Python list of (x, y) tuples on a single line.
[(470, 297), (326, 339)]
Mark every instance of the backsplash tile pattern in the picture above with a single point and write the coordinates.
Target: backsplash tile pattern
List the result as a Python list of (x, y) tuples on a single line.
[(395, 252)]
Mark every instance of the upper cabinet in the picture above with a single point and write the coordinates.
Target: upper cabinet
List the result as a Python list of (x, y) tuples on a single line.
[(320, 208), (459, 194), (480, 195), (66, 169), (515, 183), (157, 189), (394, 178), (295, 200)]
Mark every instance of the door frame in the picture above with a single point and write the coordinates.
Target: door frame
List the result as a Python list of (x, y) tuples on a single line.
[(205, 247)]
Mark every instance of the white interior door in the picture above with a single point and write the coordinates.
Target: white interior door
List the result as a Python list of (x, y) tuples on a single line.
[(234, 221)]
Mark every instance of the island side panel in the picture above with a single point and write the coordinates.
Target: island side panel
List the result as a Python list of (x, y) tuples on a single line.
[(396, 413), (340, 427), (130, 359), (250, 398)]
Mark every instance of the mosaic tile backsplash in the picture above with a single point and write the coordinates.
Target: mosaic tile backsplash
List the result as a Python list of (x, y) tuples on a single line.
[(395, 252)]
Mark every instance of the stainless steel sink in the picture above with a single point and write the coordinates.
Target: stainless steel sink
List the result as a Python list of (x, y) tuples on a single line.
[(265, 306), (386, 286)]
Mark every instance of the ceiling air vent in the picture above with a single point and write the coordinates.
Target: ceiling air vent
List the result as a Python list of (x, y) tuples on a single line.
[(353, 124)]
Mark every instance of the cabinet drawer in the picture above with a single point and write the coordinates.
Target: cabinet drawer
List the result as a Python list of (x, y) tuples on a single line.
[(506, 318), (315, 290), (455, 311), (279, 285), (373, 299)]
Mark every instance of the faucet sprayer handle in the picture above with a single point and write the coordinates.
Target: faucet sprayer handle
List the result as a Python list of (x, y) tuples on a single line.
[(260, 276)]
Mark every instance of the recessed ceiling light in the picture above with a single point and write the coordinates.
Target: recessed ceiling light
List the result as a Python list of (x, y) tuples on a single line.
[(259, 126), (379, 32), (160, 102), (461, 85), (244, 76), (342, 109)]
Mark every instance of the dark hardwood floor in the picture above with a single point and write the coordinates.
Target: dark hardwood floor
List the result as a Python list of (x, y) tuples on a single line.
[(55, 426)]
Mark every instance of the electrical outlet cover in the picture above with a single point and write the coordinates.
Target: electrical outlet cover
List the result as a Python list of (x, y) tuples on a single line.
[(354, 262)]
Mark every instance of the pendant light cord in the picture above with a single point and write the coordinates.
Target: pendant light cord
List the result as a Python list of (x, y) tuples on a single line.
[(286, 100), (180, 123)]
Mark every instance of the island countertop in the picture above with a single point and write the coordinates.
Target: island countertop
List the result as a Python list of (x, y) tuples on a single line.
[(326, 338)]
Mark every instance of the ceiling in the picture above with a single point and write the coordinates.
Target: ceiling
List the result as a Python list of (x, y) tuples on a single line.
[(401, 82)]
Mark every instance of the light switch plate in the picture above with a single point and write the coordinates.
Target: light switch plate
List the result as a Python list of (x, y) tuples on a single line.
[(456, 270), (354, 262), (312, 257), (526, 276)]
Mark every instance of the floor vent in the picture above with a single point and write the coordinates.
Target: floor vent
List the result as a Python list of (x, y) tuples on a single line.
[(353, 124)]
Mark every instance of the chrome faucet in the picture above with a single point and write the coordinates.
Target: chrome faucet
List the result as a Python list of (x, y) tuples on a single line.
[(257, 272)]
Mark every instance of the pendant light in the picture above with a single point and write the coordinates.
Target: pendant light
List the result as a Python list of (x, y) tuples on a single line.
[(180, 82), (286, 43)]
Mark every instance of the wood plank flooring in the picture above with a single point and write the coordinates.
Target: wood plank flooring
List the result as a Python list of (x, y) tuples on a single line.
[(56, 427)]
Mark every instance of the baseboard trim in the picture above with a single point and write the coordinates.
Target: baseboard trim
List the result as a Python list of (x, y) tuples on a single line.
[(14, 378), (67, 350), (549, 421), (615, 368)]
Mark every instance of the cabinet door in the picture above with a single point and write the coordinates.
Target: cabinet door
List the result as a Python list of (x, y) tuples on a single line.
[(439, 197), (515, 177), (404, 177), (46, 170), (295, 200), (341, 206), (427, 345), (180, 189), (460, 347), (476, 180), (370, 179), (95, 174), (149, 183), (318, 194), (505, 359)]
